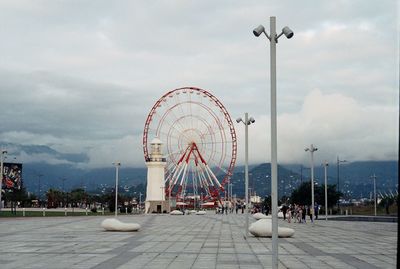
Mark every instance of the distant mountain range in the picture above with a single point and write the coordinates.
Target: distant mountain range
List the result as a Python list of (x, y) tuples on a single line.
[(355, 178), (60, 170)]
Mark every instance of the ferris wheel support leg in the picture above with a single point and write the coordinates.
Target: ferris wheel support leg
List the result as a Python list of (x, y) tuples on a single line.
[(213, 176)]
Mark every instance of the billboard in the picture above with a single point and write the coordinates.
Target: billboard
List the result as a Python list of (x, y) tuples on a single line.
[(12, 177)]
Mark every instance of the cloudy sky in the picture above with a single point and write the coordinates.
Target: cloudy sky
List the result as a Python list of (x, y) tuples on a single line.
[(81, 76)]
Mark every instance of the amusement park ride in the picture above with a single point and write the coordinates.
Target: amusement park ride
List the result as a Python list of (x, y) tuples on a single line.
[(190, 136)]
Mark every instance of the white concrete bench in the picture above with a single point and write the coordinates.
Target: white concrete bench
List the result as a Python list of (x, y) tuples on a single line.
[(116, 225), (263, 228), (176, 212), (259, 215)]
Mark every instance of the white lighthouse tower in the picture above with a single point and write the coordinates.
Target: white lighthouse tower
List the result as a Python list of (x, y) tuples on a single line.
[(155, 198)]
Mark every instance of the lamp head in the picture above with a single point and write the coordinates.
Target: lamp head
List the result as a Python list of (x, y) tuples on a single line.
[(287, 32), (258, 30), (252, 120), (239, 120), (306, 149)]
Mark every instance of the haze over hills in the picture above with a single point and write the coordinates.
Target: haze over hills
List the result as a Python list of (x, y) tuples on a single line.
[(69, 171), (354, 177)]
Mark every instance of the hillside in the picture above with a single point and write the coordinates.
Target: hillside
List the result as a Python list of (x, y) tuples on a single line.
[(354, 177)]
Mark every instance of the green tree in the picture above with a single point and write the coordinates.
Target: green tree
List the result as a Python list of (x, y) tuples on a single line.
[(302, 195), (78, 196), (388, 201), (54, 198)]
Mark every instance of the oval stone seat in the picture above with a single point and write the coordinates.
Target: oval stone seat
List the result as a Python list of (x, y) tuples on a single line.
[(201, 212), (116, 225), (259, 215), (192, 212), (176, 212), (263, 228)]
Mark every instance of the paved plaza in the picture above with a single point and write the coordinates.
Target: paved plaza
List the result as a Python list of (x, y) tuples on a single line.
[(191, 241)]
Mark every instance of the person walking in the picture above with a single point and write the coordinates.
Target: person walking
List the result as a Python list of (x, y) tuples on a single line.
[(284, 210), (289, 217)]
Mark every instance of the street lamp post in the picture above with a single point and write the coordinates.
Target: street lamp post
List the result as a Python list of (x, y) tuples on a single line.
[(162, 197), (117, 165), (247, 121), (140, 202), (3, 152), (338, 162), (311, 149), (39, 194), (374, 178), (325, 164), (273, 38)]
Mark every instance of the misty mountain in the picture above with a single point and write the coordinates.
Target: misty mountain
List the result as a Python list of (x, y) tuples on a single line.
[(355, 178)]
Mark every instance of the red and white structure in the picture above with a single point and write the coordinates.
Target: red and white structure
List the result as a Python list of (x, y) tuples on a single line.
[(199, 143)]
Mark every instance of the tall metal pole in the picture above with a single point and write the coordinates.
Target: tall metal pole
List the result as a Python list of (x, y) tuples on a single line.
[(117, 165), (3, 152), (274, 151), (374, 177), (39, 193), (162, 198), (312, 149), (140, 202), (338, 174), (337, 164), (246, 168), (326, 190), (169, 196), (312, 185)]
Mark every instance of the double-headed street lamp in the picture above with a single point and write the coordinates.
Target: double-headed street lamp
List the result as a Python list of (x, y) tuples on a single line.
[(273, 38), (117, 165), (311, 149), (247, 121)]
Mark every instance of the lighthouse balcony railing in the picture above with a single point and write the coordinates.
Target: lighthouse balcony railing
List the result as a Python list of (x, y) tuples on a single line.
[(156, 159)]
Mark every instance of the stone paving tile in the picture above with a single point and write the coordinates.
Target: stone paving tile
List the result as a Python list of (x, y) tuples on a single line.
[(210, 241)]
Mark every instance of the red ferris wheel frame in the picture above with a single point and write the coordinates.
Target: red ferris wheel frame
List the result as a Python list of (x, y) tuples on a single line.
[(193, 149)]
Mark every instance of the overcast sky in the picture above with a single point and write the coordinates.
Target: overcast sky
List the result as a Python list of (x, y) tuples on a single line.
[(81, 76)]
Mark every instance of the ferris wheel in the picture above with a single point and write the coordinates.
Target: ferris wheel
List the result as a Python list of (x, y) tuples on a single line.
[(199, 139)]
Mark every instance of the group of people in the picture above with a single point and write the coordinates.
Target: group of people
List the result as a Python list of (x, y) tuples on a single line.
[(299, 212), (290, 212), (228, 207)]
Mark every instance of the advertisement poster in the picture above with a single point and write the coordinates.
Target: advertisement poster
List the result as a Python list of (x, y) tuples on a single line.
[(12, 177)]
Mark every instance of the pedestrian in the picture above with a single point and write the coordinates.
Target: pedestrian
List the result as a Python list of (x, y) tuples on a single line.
[(311, 213), (289, 218), (284, 210), (316, 207), (303, 214)]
